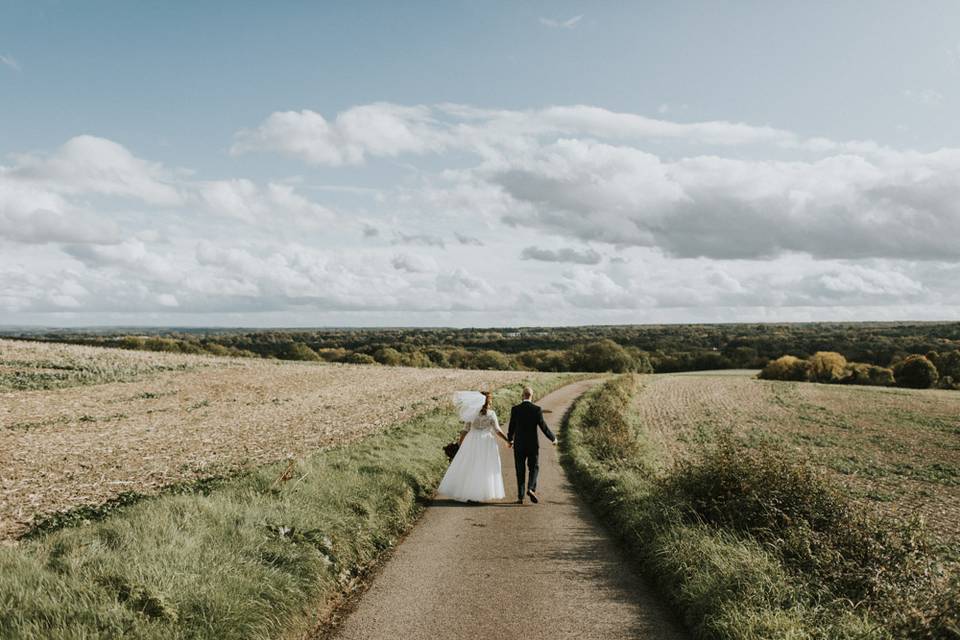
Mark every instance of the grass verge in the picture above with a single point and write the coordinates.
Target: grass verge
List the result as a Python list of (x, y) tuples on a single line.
[(750, 545), (247, 557)]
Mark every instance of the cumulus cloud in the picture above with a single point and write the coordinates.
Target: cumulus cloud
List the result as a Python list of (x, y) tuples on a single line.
[(380, 129), (91, 165), (243, 199), (414, 263), (692, 216), (421, 239), (389, 130), (900, 205), (468, 240), (566, 254)]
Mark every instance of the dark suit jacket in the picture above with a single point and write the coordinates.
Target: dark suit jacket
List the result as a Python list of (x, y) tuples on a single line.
[(525, 419)]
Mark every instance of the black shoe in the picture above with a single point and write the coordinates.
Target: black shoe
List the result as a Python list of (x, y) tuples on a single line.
[(519, 500), (533, 497)]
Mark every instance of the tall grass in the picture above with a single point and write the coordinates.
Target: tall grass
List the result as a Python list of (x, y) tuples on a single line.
[(256, 556), (748, 544)]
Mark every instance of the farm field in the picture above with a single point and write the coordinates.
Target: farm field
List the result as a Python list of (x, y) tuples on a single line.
[(897, 451), (82, 425)]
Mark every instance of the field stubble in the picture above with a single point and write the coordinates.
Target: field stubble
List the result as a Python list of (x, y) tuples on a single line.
[(80, 426)]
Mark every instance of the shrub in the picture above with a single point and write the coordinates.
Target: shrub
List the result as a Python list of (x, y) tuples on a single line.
[(948, 364), (868, 374), (388, 356), (601, 356), (915, 372), (359, 358), (809, 522), (786, 368), (297, 351), (827, 366), (491, 360)]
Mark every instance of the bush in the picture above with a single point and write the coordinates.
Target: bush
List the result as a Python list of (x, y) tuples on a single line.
[(786, 368), (602, 356), (491, 360), (827, 366), (388, 356), (809, 522), (359, 358), (915, 372), (298, 351), (868, 374)]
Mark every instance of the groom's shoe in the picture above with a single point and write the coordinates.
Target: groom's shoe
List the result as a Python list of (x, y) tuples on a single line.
[(520, 500), (533, 497)]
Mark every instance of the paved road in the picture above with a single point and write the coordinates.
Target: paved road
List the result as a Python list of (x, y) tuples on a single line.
[(508, 571)]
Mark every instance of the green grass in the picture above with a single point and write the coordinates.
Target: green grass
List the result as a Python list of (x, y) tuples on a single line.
[(243, 557), (67, 371), (750, 545)]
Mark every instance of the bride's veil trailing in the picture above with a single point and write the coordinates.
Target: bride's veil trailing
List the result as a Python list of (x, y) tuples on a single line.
[(468, 404)]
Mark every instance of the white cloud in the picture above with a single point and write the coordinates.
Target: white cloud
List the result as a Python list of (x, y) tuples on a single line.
[(389, 130), (926, 97), (10, 61), (414, 263), (91, 165), (553, 23), (841, 206), (595, 215), (244, 199), (566, 254), (379, 129)]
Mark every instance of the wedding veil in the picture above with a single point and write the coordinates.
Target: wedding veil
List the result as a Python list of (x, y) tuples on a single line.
[(468, 404)]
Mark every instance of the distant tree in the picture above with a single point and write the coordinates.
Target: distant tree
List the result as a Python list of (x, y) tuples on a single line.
[(915, 372), (297, 351), (868, 374), (491, 360), (881, 376), (388, 356), (827, 366), (948, 364), (437, 357), (217, 349), (786, 368), (359, 358), (602, 355), (416, 358), (641, 360)]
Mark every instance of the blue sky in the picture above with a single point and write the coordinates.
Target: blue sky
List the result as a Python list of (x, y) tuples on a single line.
[(709, 161)]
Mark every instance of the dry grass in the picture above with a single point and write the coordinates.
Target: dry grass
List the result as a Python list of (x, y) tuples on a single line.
[(896, 450), (142, 421)]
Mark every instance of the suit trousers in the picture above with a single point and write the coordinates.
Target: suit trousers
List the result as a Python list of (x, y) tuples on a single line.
[(526, 461)]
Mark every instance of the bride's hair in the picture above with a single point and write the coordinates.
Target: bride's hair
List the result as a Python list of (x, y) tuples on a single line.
[(487, 401)]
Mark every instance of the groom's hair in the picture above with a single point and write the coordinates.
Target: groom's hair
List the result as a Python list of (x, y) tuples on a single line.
[(527, 392)]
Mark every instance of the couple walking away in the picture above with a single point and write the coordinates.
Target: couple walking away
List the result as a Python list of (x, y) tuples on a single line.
[(474, 474)]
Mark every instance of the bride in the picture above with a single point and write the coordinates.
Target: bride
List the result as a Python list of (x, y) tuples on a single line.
[(474, 475)]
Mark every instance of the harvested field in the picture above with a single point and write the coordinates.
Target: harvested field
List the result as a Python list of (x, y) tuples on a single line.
[(137, 422), (897, 450)]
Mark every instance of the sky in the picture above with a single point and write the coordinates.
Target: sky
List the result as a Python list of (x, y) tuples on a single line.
[(478, 163)]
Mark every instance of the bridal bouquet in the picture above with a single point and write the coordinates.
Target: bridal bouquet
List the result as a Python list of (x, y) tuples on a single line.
[(451, 450)]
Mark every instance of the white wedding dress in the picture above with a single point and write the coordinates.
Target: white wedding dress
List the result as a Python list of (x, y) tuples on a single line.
[(474, 473)]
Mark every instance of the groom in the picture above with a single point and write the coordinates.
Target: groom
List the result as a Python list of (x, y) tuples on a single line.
[(525, 419)]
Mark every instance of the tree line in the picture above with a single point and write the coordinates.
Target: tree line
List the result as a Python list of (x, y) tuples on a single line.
[(638, 348)]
